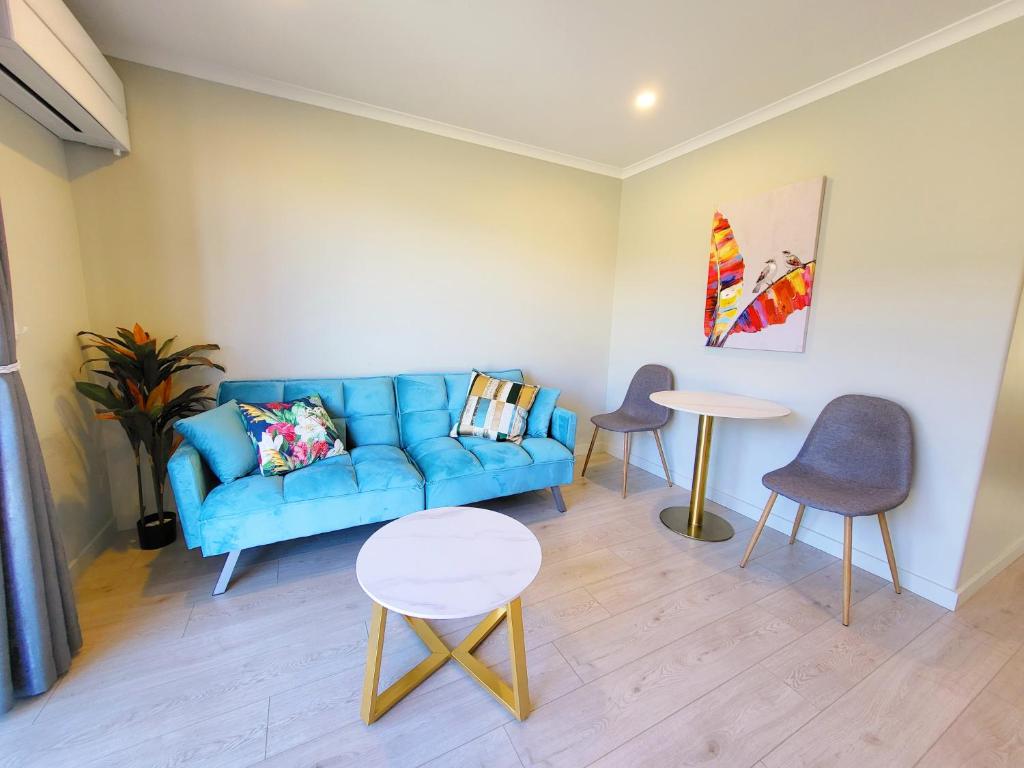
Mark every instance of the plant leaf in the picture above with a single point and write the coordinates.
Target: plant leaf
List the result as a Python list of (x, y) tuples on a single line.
[(165, 345), (98, 394), (136, 394)]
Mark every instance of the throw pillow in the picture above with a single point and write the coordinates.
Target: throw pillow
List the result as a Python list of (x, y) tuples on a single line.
[(539, 423), (290, 435), (220, 437), (496, 409)]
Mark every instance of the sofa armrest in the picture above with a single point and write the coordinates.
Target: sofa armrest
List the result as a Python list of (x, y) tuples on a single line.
[(563, 427), (190, 482)]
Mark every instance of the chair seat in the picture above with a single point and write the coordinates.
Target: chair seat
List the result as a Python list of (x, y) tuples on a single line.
[(617, 421), (816, 489)]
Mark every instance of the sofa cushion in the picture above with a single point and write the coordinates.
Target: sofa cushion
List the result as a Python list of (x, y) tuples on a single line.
[(226, 530), (384, 466), (444, 458), (539, 422), (429, 403), (362, 409), (220, 437), (496, 409), (545, 449), (291, 435), (246, 494), (494, 456), (330, 477)]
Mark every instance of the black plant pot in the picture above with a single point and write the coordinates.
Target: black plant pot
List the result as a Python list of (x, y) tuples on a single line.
[(153, 535)]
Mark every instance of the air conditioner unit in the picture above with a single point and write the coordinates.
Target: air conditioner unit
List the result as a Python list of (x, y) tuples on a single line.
[(51, 69)]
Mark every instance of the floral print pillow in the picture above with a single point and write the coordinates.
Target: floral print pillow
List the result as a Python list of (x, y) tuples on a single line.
[(290, 435)]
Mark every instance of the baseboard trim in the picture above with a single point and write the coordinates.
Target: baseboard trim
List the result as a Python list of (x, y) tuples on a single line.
[(979, 580), (92, 550), (913, 582)]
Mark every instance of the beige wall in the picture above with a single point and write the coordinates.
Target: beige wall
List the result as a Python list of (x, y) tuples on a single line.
[(920, 265), (50, 304), (311, 243), (997, 527)]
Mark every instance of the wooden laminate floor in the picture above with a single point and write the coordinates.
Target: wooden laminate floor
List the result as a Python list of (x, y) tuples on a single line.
[(644, 648)]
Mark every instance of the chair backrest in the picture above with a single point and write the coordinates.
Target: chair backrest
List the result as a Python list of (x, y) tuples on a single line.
[(862, 439), (648, 379)]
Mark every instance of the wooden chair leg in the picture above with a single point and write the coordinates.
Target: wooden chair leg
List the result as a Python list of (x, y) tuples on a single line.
[(884, 525), (759, 528), (627, 439), (590, 450), (661, 452), (796, 523), (847, 568)]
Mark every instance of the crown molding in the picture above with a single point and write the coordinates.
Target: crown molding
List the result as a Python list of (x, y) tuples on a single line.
[(992, 17), (271, 87), (1006, 11)]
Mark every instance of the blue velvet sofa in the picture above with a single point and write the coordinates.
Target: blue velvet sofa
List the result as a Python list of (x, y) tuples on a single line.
[(399, 459)]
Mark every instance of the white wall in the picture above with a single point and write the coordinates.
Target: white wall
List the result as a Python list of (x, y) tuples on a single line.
[(311, 243), (997, 526), (920, 264), (50, 302)]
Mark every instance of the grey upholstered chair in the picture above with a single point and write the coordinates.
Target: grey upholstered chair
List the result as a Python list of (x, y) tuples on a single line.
[(637, 414), (857, 460)]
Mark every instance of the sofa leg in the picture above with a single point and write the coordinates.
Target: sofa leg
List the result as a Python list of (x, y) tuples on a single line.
[(559, 501), (226, 571)]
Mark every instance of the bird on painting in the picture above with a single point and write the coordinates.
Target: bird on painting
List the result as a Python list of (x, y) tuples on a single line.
[(765, 278), (792, 260)]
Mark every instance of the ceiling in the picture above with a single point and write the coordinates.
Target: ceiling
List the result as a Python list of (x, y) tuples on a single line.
[(549, 78)]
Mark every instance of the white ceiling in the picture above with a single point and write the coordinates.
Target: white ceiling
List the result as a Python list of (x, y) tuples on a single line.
[(549, 78)]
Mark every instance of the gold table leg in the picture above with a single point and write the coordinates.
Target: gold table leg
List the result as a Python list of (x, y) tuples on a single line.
[(693, 521), (515, 696)]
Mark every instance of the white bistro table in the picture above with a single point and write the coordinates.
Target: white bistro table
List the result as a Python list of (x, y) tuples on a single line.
[(693, 521), (448, 563)]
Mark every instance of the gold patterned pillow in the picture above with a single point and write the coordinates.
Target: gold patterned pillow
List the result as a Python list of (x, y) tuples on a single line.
[(496, 409)]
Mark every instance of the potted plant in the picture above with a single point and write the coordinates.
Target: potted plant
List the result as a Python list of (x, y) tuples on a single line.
[(139, 398)]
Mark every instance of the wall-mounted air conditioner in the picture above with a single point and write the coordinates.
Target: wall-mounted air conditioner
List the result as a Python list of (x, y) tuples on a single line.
[(51, 69)]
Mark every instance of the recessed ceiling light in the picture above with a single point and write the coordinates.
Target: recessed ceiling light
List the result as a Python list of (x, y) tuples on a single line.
[(645, 99)]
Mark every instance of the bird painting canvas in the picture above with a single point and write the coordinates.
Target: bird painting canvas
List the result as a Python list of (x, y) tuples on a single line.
[(761, 269)]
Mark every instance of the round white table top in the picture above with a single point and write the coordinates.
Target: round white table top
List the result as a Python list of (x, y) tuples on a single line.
[(720, 404), (448, 563)]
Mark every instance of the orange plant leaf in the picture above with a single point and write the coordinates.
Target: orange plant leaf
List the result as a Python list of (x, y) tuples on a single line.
[(136, 394), (154, 396), (118, 348), (140, 335)]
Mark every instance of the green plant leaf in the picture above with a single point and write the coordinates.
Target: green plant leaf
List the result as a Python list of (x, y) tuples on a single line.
[(193, 362), (101, 395), (165, 345)]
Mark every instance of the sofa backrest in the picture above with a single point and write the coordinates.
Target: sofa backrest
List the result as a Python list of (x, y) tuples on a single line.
[(430, 403), (363, 408)]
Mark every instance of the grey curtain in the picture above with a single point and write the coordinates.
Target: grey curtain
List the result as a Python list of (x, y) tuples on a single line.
[(38, 622)]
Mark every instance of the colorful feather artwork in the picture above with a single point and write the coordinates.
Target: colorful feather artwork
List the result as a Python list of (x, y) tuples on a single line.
[(776, 234), (774, 305), (725, 280)]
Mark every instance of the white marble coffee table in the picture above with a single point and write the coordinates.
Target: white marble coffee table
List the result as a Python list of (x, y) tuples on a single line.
[(448, 563)]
